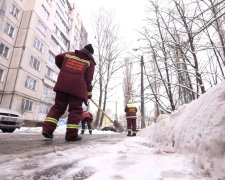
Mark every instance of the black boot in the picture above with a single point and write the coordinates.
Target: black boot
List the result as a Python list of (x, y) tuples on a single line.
[(70, 138), (134, 134), (47, 135), (90, 131), (129, 133), (72, 135), (82, 131)]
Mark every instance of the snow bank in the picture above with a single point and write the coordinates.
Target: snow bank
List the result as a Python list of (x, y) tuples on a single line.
[(198, 128)]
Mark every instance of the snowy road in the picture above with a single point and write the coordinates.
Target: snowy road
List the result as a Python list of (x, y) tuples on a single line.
[(32, 144), (27, 156)]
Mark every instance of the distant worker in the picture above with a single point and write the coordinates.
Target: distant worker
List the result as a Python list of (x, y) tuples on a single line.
[(73, 87), (131, 111), (86, 118)]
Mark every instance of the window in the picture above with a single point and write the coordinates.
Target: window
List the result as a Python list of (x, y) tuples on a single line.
[(60, 35), (26, 105), (48, 93), (62, 50), (30, 83), (49, 2), (34, 63), (9, 29), (63, 9), (48, 90), (4, 50), (51, 74), (1, 75), (62, 22), (62, 2), (64, 40), (44, 13), (56, 31), (38, 45), (51, 57), (41, 28), (14, 11), (44, 108), (55, 45)]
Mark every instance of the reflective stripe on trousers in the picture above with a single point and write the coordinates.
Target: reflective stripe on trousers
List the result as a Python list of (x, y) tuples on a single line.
[(52, 120)]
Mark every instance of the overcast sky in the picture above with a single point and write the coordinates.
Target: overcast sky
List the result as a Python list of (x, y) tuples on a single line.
[(128, 15)]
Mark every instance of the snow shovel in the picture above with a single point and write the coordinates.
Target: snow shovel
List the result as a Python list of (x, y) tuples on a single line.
[(115, 122)]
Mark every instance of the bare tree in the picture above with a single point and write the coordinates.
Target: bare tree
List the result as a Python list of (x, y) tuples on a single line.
[(190, 38), (216, 28), (128, 81), (184, 52), (108, 48), (216, 7)]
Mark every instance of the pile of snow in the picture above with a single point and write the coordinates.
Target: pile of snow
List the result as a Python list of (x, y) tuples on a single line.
[(197, 128)]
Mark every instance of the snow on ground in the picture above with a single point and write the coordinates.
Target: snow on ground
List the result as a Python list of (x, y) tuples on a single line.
[(197, 128), (130, 159)]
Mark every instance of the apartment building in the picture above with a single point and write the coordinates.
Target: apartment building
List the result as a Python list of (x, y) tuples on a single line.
[(32, 32)]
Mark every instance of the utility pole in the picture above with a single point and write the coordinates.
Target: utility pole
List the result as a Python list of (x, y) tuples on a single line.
[(116, 117), (142, 95)]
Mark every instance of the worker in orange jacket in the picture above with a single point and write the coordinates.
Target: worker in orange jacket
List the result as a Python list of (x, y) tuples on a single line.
[(131, 111), (73, 87)]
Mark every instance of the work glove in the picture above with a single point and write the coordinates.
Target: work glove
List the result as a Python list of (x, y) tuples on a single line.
[(89, 95)]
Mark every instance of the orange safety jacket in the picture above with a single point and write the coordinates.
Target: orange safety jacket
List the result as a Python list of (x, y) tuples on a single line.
[(131, 111)]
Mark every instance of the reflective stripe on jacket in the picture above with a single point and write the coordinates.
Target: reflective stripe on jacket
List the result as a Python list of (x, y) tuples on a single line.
[(131, 111), (76, 73)]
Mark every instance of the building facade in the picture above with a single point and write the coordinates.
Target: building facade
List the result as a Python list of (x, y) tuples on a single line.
[(31, 34)]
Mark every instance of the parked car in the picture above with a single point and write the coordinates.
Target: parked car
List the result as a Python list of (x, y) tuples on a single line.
[(10, 120), (109, 128)]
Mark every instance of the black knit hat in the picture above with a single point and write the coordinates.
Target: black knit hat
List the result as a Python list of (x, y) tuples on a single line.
[(89, 48)]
